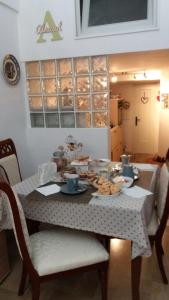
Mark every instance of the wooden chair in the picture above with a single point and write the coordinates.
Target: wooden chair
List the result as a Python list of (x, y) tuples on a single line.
[(9, 161), (159, 218), (48, 254)]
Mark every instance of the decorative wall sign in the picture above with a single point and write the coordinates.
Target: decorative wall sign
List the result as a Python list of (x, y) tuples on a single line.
[(144, 99), (11, 69), (49, 26)]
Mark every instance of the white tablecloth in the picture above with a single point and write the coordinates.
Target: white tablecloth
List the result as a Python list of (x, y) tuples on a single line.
[(122, 217)]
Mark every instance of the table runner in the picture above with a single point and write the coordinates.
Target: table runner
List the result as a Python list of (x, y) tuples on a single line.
[(122, 217)]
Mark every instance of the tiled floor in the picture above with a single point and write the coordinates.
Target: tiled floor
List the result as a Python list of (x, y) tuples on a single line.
[(86, 286)]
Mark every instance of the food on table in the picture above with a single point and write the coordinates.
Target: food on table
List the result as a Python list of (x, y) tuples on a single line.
[(105, 187), (82, 157), (121, 179), (69, 170), (88, 174)]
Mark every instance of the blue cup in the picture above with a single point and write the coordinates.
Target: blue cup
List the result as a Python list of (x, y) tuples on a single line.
[(72, 182), (128, 171)]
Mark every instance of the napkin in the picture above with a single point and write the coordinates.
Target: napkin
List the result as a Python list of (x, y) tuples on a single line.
[(136, 192), (49, 189), (145, 167)]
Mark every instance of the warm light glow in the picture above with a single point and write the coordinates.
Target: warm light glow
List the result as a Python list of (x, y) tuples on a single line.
[(114, 78), (116, 244)]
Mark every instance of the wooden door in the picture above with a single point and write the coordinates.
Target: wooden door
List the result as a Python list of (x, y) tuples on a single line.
[(145, 119)]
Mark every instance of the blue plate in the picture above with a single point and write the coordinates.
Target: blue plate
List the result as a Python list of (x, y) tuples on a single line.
[(80, 189)]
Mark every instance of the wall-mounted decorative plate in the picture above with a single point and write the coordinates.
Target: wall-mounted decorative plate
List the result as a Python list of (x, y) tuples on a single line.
[(11, 69)]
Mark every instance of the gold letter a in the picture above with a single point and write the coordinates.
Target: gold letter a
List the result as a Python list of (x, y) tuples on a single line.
[(51, 24)]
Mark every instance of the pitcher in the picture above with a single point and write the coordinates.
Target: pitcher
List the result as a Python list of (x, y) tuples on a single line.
[(125, 159)]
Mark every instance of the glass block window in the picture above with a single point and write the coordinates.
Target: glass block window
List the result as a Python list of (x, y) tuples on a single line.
[(68, 93)]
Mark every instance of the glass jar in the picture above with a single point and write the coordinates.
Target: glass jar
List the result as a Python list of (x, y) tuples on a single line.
[(59, 159)]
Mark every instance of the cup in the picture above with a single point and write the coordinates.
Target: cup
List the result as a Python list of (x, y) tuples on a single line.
[(128, 171), (72, 182)]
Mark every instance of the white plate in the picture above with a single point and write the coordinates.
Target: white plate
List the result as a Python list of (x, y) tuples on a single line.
[(96, 194), (102, 162), (125, 181)]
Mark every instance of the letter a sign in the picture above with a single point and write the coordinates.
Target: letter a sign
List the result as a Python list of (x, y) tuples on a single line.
[(49, 27)]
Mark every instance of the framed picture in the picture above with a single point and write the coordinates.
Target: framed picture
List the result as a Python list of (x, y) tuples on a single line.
[(11, 69)]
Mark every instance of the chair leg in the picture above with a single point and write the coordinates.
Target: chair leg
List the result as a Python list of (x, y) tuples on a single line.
[(159, 252), (35, 289), (103, 278), (22, 282)]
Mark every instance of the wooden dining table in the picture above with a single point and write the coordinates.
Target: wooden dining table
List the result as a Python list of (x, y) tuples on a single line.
[(123, 216)]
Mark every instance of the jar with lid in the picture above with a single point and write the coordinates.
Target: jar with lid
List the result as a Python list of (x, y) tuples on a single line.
[(59, 159)]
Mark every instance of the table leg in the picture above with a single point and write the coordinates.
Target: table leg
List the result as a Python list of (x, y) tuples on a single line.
[(135, 277)]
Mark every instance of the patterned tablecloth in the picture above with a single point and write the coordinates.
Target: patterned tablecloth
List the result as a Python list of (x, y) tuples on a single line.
[(123, 216)]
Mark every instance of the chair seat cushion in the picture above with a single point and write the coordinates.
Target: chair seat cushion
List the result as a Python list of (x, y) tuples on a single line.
[(10, 164), (154, 224), (65, 249)]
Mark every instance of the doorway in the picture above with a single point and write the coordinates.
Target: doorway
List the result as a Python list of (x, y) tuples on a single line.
[(140, 116)]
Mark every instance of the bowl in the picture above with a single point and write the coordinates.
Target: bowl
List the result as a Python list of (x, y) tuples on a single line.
[(124, 181)]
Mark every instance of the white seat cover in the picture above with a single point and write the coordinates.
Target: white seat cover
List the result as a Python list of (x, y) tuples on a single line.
[(23, 221), (64, 249), (10, 164), (163, 186), (154, 223)]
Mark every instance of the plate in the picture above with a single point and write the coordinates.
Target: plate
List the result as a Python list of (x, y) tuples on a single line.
[(11, 69), (96, 194), (79, 190), (125, 181), (103, 162)]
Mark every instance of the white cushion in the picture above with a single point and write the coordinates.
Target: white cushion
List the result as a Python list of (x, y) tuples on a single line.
[(23, 221), (10, 164), (154, 223), (64, 249), (163, 186)]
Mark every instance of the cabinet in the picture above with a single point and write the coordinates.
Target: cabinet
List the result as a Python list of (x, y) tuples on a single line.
[(116, 143)]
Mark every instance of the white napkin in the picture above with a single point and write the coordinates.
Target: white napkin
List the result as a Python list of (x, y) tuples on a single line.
[(145, 167), (47, 172), (49, 189), (136, 192)]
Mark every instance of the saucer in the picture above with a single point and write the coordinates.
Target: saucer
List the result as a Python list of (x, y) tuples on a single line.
[(80, 189)]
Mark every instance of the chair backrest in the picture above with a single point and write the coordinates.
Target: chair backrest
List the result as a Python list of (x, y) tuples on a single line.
[(163, 197), (17, 218), (3, 175), (9, 161)]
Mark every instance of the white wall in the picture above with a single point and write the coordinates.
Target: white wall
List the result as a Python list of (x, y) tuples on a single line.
[(41, 142), (13, 4), (32, 14), (12, 103)]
